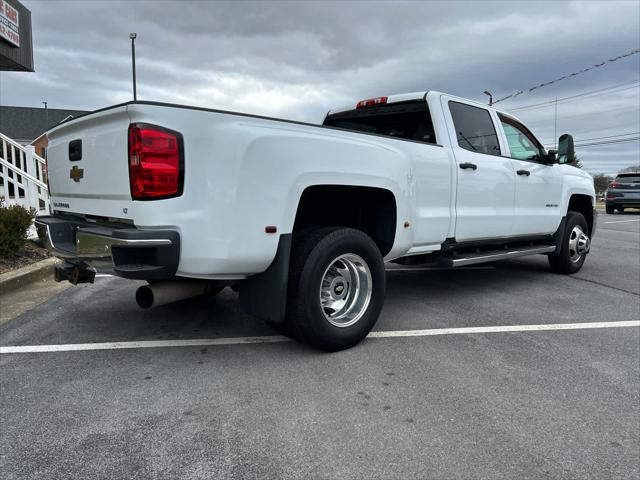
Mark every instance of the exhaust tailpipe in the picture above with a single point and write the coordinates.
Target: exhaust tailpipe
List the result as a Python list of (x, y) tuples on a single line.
[(162, 293)]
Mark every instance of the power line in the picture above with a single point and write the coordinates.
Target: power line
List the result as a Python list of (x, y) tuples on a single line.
[(608, 136), (523, 107), (607, 142), (615, 89), (598, 138), (604, 142), (626, 108), (564, 77)]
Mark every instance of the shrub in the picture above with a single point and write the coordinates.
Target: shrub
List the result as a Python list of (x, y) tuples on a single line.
[(14, 222)]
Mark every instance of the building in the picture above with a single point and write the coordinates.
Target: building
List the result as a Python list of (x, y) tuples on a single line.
[(16, 45), (23, 124), (27, 125)]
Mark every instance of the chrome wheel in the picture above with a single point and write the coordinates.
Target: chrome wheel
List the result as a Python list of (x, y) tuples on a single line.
[(345, 290), (579, 244)]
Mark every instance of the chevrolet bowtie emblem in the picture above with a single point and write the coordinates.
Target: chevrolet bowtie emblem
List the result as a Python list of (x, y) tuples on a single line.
[(76, 173)]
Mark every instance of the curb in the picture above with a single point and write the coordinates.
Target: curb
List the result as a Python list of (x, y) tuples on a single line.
[(11, 281)]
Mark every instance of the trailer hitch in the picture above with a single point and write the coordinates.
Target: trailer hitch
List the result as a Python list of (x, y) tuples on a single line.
[(73, 273)]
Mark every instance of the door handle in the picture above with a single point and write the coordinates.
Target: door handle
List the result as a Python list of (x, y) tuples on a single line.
[(467, 165), (524, 172)]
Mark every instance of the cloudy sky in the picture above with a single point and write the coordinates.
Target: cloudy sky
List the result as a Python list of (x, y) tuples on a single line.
[(298, 59)]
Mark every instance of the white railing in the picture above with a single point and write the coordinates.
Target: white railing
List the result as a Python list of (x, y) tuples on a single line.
[(22, 176)]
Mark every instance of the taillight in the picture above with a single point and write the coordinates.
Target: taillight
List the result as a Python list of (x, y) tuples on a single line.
[(614, 185), (370, 102), (156, 162)]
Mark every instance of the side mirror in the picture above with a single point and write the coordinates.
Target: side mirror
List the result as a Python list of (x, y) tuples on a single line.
[(566, 152), (552, 157)]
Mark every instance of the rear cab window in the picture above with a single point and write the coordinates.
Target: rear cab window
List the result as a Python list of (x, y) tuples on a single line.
[(410, 120), (626, 181), (629, 178)]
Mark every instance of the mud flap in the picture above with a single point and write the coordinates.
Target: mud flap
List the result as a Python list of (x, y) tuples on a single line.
[(265, 295), (558, 236)]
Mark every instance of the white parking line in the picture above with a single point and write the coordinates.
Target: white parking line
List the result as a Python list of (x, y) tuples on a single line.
[(209, 342), (622, 221), (502, 328)]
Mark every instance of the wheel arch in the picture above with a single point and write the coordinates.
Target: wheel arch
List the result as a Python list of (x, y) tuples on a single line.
[(373, 210), (583, 204)]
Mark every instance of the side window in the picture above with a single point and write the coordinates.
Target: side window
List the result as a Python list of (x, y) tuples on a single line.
[(474, 129), (522, 143)]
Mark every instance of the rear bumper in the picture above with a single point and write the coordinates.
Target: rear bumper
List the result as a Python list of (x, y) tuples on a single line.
[(121, 250), (623, 202)]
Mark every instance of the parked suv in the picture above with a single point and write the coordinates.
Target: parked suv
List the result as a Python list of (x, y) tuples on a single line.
[(623, 192)]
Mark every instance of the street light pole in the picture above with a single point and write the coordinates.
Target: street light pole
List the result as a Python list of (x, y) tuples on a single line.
[(132, 36), (490, 97), (46, 114)]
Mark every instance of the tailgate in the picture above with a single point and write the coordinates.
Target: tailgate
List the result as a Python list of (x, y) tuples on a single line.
[(87, 163)]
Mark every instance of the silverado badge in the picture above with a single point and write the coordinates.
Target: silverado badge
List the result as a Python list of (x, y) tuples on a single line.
[(76, 173)]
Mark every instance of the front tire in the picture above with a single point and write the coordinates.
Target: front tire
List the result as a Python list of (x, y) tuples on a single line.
[(609, 210), (575, 246), (336, 287)]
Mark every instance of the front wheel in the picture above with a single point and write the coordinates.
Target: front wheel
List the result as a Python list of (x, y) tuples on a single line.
[(336, 287), (609, 210), (575, 246)]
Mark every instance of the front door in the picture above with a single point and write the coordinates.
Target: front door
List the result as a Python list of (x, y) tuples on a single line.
[(485, 179), (538, 184)]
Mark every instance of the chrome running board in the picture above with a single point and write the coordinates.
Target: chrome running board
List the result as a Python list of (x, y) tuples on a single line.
[(473, 258)]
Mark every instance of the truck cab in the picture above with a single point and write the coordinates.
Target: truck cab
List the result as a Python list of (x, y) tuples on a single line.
[(505, 185)]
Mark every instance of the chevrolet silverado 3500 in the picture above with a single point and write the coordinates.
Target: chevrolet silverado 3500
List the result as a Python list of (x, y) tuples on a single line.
[(300, 218)]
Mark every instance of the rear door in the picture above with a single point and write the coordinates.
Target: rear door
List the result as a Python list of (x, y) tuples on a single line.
[(485, 179), (538, 185)]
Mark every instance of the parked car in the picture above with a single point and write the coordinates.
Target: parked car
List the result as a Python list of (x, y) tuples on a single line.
[(623, 192), (300, 218)]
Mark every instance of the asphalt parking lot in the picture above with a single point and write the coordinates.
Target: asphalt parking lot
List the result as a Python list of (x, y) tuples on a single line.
[(521, 404)]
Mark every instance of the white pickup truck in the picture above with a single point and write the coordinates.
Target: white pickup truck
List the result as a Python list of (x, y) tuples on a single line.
[(300, 218)]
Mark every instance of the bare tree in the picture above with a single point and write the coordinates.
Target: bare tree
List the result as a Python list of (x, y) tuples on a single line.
[(575, 162), (600, 182), (631, 169)]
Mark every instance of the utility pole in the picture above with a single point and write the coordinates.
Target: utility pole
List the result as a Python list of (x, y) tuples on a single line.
[(133, 36), (555, 124)]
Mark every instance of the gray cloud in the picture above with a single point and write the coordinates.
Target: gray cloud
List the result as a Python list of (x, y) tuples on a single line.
[(298, 59)]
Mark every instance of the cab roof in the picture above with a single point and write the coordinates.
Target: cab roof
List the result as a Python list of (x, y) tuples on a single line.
[(401, 97), (422, 95)]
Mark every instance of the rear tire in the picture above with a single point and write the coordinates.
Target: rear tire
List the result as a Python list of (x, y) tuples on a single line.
[(336, 287), (575, 246), (609, 210)]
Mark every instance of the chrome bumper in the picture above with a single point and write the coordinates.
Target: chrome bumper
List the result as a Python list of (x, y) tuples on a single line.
[(121, 250), (95, 245)]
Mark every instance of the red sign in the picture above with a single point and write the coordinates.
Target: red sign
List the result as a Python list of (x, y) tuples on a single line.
[(9, 23)]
